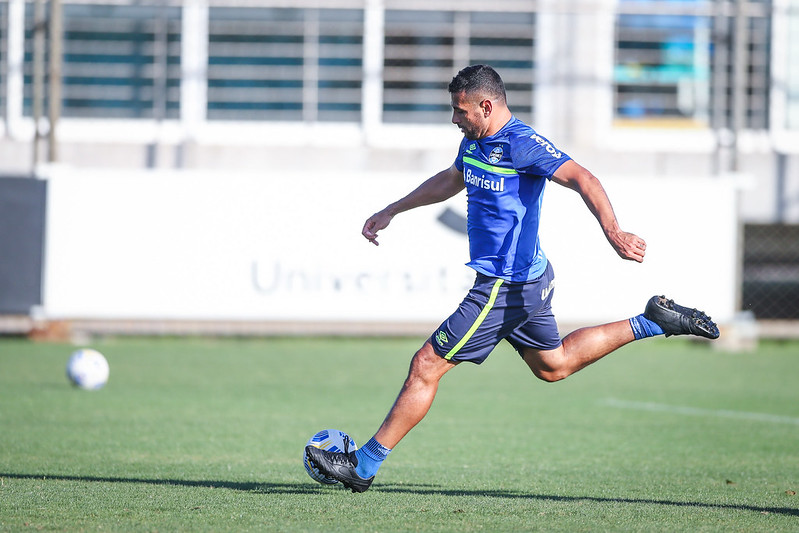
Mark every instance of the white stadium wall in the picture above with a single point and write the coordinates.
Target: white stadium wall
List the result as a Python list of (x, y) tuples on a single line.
[(187, 245)]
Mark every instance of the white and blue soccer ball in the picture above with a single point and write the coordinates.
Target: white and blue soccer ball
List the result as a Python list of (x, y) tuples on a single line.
[(327, 439), (87, 369)]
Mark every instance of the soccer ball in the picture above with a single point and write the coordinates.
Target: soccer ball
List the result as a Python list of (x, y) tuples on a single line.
[(327, 439), (87, 369)]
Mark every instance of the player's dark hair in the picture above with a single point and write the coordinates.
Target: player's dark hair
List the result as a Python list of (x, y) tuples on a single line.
[(478, 79)]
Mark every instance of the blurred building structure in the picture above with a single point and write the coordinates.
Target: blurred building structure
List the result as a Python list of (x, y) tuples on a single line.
[(677, 87), (663, 88)]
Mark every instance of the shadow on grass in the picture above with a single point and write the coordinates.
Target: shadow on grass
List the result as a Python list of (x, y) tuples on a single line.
[(432, 490), (410, 489)]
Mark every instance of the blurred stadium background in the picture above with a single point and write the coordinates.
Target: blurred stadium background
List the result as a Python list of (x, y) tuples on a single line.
[(204, 166)]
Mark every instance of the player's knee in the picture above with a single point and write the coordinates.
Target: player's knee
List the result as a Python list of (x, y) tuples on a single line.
[(547, 368), (550, 376), (418, 368), (427, 366)]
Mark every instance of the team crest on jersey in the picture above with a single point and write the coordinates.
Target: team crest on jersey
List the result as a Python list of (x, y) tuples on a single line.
[(496, 155)]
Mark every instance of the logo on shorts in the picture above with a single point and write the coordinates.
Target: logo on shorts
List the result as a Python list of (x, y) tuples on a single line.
[(441, 337), (545, 292), (496, 155)]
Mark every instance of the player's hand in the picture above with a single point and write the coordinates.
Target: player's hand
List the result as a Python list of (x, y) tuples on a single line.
[(375, 223), (628, 245)]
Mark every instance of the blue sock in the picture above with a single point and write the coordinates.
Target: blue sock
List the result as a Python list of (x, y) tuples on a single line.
[(643, 327), (370, 457)]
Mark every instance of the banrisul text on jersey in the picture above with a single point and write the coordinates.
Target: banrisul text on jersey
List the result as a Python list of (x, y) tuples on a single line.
[(481, 181)]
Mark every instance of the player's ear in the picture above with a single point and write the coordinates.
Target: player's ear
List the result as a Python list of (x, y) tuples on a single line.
[(487, 106)]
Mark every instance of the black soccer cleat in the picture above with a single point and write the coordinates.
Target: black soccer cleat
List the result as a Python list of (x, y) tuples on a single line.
[(340, 466), (675, 319)]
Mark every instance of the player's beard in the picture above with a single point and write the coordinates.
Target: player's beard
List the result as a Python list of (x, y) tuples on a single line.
[(469, 132)]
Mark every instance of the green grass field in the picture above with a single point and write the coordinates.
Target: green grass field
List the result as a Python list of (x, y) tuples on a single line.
[(207, 435)]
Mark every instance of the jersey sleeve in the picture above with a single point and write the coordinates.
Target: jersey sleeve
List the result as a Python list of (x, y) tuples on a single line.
[(459, 157), (536, 155)]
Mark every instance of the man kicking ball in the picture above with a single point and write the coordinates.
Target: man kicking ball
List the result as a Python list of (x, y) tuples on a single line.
[(504, 166)]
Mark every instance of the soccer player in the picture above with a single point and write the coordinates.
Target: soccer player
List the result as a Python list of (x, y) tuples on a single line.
[(504, 165)]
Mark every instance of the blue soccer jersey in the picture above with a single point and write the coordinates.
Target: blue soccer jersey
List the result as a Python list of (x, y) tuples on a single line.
[(505, 175)]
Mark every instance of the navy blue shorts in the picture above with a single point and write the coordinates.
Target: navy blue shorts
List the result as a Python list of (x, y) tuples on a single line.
[(495, 309)]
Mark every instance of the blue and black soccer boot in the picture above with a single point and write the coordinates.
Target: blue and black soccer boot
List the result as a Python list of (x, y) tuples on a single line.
[(675, 319), (340, 466)]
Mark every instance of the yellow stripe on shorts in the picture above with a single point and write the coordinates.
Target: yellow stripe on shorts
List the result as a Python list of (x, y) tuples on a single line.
[(482, 316)]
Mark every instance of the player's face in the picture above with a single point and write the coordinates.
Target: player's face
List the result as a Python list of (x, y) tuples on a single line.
[(469, 115)]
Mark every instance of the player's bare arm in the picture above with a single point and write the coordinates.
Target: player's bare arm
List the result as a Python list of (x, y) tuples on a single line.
[(438, 188), (575, 177)]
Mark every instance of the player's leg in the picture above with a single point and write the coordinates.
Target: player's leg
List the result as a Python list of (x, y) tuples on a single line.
[(415, 397), (469, 334), (578, 350), (587, 345), (356, 470), (412, 404)]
